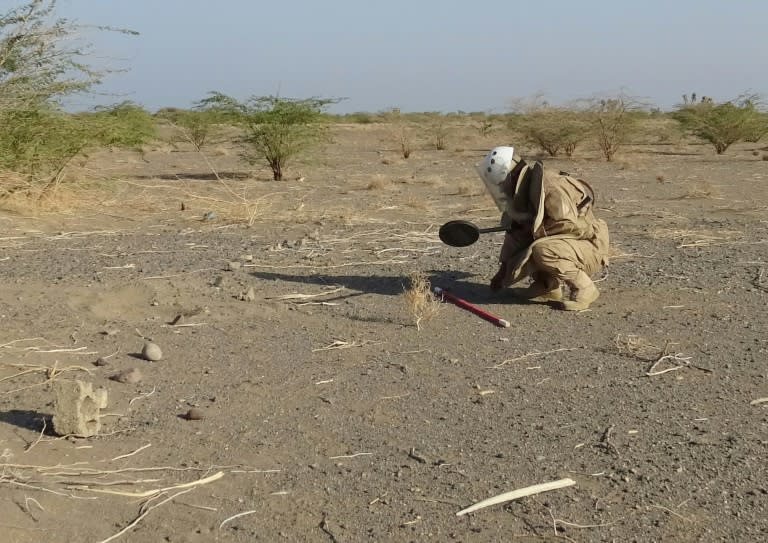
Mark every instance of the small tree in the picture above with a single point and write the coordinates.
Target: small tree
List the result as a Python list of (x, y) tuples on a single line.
[(196, 127), (438, 129), (756, 128), (122, 125), (554, 129), (723, 124), (40, 143), (276, 129), (612, 121), (43, 58), (402, 133), (551, 128)]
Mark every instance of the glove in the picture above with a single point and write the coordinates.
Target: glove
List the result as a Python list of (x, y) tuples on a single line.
[(498, 279)]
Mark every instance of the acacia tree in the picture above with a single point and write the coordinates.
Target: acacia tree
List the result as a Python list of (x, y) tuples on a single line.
[(723, 124), (200, 128), (276, 129), (552, 128), (43, 59), (613, 121)]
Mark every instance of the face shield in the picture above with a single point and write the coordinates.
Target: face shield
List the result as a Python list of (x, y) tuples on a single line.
[(493, 169)]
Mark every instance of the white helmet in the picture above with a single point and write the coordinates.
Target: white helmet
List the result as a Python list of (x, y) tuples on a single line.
[(494, 169)]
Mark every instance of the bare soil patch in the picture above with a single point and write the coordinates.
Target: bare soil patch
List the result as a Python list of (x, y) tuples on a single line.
[(296, 400)]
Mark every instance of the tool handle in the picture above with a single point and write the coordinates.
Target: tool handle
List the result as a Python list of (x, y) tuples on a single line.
[(471, 307), (493, 229)]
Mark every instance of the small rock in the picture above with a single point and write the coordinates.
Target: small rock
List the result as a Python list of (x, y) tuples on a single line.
[(249, 295), (194, 414), (210, 216), (234, 266), (130, 376), (101, 361), (151, 351), (247, 258)]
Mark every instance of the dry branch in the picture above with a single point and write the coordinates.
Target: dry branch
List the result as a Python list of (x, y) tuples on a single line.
[(532, 354), (516, 494), (154, 492), (233, 517), (141, 516)]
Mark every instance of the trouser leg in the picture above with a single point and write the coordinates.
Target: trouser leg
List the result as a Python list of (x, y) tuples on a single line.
[(572, 262)]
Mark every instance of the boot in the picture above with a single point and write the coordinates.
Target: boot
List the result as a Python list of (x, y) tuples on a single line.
[(543, 289), (583, 293)]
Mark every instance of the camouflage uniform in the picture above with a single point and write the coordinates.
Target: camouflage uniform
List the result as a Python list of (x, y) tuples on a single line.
[(554, 235)]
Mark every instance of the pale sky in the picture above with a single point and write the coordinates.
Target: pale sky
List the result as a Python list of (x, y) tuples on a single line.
[(429, 55)]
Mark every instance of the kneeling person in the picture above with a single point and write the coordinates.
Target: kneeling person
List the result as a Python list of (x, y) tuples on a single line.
[(553, 235)]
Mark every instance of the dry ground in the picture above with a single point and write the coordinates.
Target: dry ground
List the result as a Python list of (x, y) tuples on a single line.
[(330, 416)]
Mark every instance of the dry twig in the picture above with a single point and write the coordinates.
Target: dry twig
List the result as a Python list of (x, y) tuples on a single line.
[(532, 354), (143, 514), (233, 517), (516, 494)]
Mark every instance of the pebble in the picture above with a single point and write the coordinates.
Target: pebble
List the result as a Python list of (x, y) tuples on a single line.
[(129, 377), (151, 351), (194, 414), (101, 361), (234, 266)]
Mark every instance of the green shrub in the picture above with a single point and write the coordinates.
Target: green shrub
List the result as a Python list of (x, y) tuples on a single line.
[(40, 143), (554, 129), (41, 57), (612, 121), (723, 124), (277, 129), (196, 127)]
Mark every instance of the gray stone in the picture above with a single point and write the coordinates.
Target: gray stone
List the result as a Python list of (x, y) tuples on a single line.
[(151, 351)]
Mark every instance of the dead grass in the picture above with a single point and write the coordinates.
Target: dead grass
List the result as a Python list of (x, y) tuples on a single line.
[(701, 189), (415, 202), (422, 304), (635, 346), (698, 238), (432, 181), (631, 163), (379, 183), (70, 193), (467, 189)]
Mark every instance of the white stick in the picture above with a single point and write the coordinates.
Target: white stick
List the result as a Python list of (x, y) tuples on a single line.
[(515, 494), (233, 517), (155, 492), (758, 401), (132, 453), (142, 515)]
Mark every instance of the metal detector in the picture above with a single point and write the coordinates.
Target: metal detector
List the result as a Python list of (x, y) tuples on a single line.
[(464, 233)]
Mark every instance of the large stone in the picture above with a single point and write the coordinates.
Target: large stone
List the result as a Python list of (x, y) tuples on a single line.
[(77, 408)]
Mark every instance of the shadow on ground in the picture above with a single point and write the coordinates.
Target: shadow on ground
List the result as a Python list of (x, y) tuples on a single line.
[(459, 283), (27, 419)]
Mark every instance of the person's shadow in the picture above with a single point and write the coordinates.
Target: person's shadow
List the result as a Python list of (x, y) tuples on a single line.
[(457, 282)]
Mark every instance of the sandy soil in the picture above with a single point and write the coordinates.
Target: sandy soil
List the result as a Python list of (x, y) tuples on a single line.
[(332, 417)]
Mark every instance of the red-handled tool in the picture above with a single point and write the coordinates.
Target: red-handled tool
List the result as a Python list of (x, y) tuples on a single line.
[(447, 296)]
